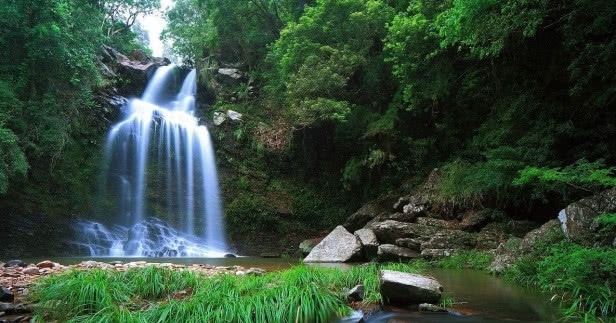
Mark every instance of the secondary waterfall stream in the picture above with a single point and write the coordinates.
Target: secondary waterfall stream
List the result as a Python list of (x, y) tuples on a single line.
[(160, 165)]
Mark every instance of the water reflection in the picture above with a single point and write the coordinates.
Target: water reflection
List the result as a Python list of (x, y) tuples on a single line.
[(479, 298), (478, 293)]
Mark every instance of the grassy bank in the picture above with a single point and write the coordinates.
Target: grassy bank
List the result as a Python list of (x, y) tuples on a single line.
[(582, 280), (152, 294)]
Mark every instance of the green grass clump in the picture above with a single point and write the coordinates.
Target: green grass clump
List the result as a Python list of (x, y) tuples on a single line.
[(78, 293), (152, 282), (466, 260), (584, 278), (303, 293)]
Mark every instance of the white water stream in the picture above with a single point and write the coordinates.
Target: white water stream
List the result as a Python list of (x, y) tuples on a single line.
[(160, 161)]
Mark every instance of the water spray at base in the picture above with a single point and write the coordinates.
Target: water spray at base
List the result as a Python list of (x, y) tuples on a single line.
[(159, 162)]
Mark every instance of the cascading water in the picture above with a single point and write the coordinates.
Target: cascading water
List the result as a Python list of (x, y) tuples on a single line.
[(160, 154)]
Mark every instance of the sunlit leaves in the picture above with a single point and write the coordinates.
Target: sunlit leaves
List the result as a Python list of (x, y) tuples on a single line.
[(412, 46), (581, 175), (189, 29), (230, 31), (316, 57), (484, 26), (120, 15)]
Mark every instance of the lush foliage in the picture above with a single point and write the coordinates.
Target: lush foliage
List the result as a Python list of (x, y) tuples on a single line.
[(51, 129), (380, 92), (580, 176), (152, 294), (581, 279)]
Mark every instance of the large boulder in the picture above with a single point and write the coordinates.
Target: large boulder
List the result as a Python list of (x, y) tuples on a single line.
[(221, 117), (369, 242), (368, 212), (450, 239), (389, 231), (399, 288), (390, 252), (447, 242), (230, 76), (307, 245), (511, 250), (579, 220), (413, 244), (338, 246), (135, 70)]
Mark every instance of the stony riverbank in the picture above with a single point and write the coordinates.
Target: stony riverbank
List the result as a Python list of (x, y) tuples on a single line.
[(16, 277)]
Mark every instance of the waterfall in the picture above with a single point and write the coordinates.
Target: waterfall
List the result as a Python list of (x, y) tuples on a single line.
[(160, 164)]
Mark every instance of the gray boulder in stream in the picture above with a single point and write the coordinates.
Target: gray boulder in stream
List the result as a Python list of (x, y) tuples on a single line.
[(338, 246), (400, 288)]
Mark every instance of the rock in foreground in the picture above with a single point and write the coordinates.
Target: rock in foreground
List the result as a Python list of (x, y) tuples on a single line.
[(399, 288)]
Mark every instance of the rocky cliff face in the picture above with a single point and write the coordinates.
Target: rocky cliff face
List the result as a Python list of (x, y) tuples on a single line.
[(129, 74), (33, 235)]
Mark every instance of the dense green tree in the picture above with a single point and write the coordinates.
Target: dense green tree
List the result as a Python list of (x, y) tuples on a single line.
[(190, 30), (120, 15), (316, 58), (47, 83), (12, 157), (232, 32), (117, 20), (50, 127), (491, 77), (396, 88)]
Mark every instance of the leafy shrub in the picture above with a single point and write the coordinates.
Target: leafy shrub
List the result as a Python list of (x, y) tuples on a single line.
[(582, 175), (469, 183), (582, 278)]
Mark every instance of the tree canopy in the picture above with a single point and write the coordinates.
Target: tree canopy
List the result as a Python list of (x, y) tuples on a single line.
[(480, 88), (50, 133), (369, 94)]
